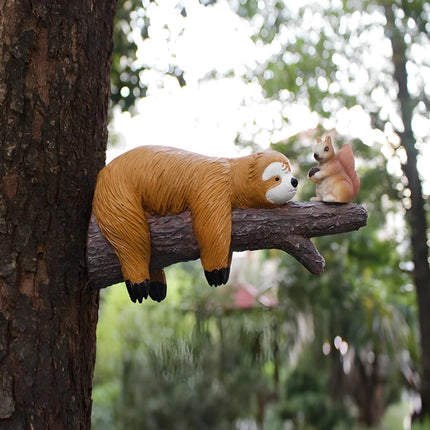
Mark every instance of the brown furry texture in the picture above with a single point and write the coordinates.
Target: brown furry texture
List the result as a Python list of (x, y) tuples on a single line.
[(152, 180), (335, 177)]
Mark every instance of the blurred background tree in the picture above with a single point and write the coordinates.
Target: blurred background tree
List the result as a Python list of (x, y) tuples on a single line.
[(337, 349)]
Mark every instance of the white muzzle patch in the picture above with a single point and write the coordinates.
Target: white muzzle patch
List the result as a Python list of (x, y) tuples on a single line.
[(287, 187)]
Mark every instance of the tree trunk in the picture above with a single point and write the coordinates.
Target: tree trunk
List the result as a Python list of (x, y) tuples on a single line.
[(54, 91), (370, 387), (416, 214)]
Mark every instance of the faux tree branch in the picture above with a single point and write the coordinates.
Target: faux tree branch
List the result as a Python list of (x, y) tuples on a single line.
[(288, 228)]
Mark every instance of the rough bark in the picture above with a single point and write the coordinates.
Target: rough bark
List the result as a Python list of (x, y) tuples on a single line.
[(416, 213), (54, 91), (287, 228)]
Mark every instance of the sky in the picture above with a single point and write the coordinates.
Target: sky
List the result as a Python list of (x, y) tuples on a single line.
[(202, 116), (205, 116)]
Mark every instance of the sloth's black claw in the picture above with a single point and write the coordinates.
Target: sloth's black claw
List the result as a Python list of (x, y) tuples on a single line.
[(218, 276), (131, 293), (157, 291), (138, 291)]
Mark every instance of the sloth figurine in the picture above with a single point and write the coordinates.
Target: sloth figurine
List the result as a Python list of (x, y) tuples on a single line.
[(157, 180)]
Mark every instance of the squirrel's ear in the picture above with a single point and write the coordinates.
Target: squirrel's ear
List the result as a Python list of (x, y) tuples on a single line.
[(319, 140), (328, 139)]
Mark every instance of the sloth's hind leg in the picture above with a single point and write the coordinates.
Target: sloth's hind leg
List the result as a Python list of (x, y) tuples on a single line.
[(157, 285)]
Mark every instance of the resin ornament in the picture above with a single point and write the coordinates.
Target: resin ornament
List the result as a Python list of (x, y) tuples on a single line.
[(157, 180), (335, 177)]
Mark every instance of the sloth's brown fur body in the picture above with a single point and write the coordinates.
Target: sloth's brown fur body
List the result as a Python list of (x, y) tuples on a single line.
[(160, 180)]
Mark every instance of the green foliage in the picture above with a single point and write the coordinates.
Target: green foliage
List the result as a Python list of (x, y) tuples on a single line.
[(195, 368), (185, 383), (307, 404), (126, 85), (306, 40), (421, 425), (131, 28)]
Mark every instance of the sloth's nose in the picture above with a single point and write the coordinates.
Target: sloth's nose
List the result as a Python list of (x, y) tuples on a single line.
[(294, 182)]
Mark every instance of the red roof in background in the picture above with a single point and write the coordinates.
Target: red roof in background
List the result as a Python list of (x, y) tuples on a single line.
[(247, 296)]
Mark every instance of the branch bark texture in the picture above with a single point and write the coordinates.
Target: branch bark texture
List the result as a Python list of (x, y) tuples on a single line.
[(288, 228)]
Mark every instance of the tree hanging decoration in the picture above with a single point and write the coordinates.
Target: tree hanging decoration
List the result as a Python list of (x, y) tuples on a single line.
[(167, 223)]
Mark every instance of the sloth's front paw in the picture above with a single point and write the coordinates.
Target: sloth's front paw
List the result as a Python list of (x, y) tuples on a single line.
[(157, 291), (218, 276), (138, 291)]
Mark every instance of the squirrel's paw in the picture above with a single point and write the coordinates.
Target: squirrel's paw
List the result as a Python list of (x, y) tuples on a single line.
[(312, 171)]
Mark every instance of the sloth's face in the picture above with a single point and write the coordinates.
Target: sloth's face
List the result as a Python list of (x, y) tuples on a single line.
[(281, 184)]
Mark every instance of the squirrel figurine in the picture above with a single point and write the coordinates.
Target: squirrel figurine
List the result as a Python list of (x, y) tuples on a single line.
[(335, 177)]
